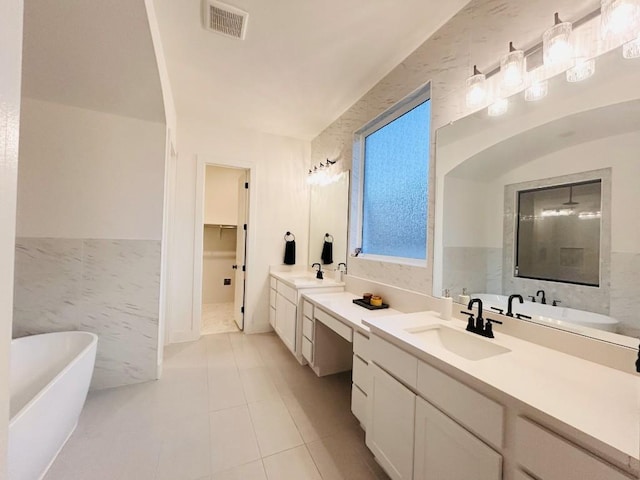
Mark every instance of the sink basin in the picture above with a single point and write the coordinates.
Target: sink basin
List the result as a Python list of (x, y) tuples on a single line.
[(465, 344)]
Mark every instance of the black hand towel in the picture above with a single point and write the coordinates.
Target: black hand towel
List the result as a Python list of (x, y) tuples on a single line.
[(290, 252), (327, 253)]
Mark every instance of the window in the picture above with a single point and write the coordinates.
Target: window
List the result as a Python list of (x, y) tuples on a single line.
[(559, 233), (394, 164)]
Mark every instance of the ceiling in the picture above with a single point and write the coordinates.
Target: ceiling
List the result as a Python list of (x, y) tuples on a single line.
[(96, 55), (301, 65)]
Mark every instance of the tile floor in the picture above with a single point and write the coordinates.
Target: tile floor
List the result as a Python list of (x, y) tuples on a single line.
[(229, 407), (218, 318)]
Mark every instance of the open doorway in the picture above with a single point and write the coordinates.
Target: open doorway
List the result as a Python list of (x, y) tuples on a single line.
[(224, 249)]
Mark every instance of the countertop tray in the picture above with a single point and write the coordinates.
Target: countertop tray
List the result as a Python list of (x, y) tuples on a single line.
[(368, 306)]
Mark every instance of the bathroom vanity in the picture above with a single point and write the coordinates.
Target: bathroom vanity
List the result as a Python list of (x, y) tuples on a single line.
[(437, 401), (285, 294)]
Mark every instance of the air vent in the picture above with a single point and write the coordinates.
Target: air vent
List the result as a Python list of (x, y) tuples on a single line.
[(225, 19)]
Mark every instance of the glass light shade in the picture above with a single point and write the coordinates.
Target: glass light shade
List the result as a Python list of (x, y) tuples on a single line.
[(556, 44), (512, 69), (583, 69), (619, 17), (476, 90), (631, 49), (498, 107), (536, 91)]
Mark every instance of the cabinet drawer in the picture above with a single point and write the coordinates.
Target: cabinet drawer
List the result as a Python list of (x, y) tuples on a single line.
[(359, 405), (361, 346), (336, 325), (272, 317), (481, 415), (307, 349), (307, 328), (307, 309), (273, 282), (548, 456), (361, 375), (288, 292), (272, 297), (397, 362)]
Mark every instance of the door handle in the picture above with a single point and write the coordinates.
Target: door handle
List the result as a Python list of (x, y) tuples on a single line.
[(235, 267)]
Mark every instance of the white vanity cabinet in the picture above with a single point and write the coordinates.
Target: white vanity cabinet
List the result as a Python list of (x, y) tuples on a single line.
[(285, 311), (391, 424), (362, 378), (548, 456), (412, 438), (443, 449)]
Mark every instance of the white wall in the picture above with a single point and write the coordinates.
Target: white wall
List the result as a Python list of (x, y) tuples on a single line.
[(88, 174), (281, 203), (221, 195), (10, 66), (218, 258)]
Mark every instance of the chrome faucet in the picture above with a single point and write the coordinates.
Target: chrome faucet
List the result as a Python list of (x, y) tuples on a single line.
[(319, 273), (509, 305)]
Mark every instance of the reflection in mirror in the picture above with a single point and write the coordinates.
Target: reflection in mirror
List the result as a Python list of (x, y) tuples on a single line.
[(558, 233), (579, 133), (329, 215)]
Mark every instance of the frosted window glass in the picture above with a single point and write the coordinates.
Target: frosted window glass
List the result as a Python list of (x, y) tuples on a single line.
[(396, 169)]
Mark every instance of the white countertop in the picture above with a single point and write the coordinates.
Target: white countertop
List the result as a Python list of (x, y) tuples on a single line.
[(595, 400), (305, 279), (341, 306)]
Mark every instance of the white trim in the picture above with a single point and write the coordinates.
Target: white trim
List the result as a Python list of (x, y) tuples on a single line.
[(198, 249), (415, 262)]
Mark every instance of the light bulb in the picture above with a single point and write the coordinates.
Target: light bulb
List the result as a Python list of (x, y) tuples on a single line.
[(512, 69), (536, 91), (476, 91), (498, 107), (583, 69), (631, 49), (619, 17), (556, 43)]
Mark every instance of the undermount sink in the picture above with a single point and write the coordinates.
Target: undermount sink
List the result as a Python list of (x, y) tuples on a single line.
[(465, 344)]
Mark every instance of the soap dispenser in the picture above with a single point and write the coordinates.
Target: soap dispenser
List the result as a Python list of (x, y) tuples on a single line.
[(464, 298), (447, 305)]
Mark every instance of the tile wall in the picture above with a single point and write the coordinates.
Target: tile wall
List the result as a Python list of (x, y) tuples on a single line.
[(109, 287)]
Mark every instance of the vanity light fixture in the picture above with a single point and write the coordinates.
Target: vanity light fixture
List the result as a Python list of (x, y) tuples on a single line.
[(619, 18), (631, 49), (583, 69), (498, 107), (476, 89), (321, 174), (512, 68), (556, 43)]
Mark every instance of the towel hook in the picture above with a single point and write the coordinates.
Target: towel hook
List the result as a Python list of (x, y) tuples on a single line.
[(328, 238), (289, 234)]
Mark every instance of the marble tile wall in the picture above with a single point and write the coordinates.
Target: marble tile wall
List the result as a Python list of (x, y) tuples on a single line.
[(108, 287), (478, 34), (625, 292)]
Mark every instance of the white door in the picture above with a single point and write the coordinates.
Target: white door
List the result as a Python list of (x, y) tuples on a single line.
[(241, 251)]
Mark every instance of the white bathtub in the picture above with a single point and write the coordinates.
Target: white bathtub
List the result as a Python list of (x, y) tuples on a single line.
[(49, 380), (549, 313)]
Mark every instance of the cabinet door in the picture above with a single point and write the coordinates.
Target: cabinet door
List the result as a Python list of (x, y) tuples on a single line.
[(443, 449), (390, 428), (286, 322)]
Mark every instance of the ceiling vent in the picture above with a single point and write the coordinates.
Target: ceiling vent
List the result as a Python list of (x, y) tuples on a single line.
[(225, 19)]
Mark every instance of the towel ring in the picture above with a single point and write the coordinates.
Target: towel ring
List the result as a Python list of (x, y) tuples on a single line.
[(289, 234), (328, 238)]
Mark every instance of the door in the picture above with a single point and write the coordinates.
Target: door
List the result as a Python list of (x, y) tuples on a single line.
[(241, 251)]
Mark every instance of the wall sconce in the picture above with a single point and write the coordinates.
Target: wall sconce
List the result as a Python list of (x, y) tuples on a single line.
[(322, 174), (498, 107), (476, 90), (583, 69), (556, 42), (631, 49), (512, 68)]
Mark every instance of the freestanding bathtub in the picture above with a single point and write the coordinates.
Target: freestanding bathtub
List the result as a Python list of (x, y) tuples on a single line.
[(49, 379)]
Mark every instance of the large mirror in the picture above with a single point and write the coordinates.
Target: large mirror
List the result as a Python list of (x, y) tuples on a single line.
[(580, 133), (328, 222)]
